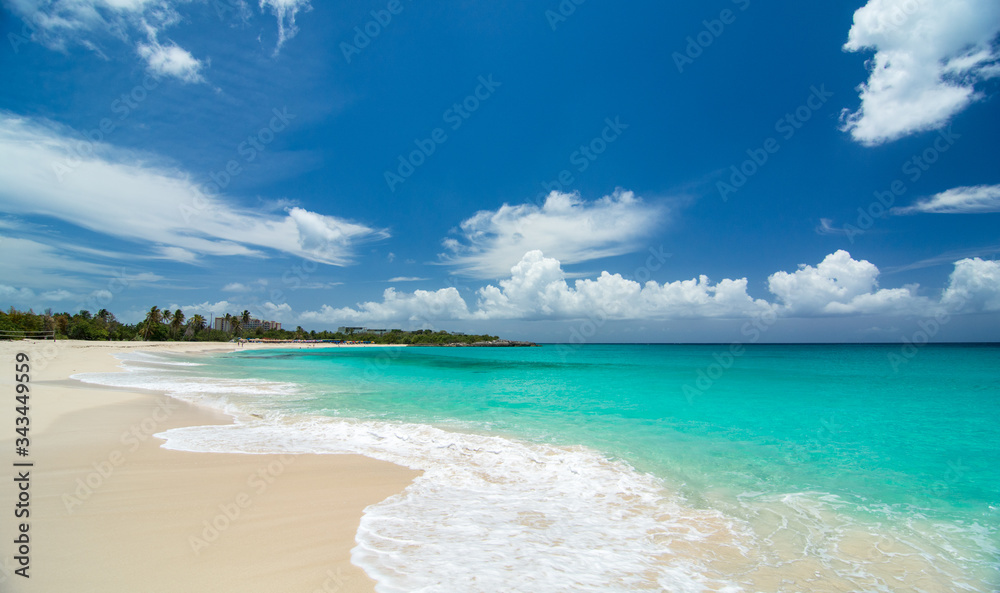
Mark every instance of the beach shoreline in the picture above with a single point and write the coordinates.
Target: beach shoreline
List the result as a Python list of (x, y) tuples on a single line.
[(111, 510)]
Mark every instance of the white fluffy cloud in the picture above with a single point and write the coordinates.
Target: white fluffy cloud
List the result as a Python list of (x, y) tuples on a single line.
[(258, 284), (48, 172), (12, 294), (60, 23), (565, 227), (171, 60), (841, 285), (960, 200), (929, 56), (537, 289), (974, 286)]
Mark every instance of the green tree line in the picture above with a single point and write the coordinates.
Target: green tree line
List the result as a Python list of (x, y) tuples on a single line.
[(165, 325)]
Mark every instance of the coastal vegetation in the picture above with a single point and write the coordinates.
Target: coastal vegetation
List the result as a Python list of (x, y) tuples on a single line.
[(161, 325)]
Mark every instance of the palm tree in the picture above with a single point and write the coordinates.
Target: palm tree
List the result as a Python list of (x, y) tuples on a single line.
[(197, 323), (177, 322), (245, 317), (234, 323), (153, 318)]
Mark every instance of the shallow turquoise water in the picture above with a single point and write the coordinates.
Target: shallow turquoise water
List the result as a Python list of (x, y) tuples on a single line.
[(687, 468), (836, 419)]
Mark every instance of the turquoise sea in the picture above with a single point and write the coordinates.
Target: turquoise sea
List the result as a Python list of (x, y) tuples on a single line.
[(637, 467)]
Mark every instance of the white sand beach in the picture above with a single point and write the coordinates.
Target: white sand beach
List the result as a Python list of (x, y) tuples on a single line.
[(110, 510)]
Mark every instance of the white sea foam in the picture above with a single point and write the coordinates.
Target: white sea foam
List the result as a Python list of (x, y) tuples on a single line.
[(493, 514)]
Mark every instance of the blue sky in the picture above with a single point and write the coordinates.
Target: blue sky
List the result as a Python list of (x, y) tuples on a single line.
[(550, 171)]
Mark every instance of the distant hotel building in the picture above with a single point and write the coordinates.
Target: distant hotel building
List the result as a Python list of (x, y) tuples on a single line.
[(361, 330), (252, 325)]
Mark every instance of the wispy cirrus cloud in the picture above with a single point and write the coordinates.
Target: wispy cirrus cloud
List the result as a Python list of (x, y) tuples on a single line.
[(565, 226), (36, 274), (974, 199), (930, 55), (93, 24), (285, 11), (178, 221), (49, 266)]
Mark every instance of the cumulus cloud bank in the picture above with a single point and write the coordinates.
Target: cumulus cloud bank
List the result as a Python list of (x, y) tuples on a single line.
[(419, 305), (929, 57), (537, 289), (841, 285)]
